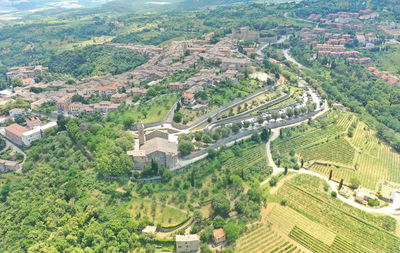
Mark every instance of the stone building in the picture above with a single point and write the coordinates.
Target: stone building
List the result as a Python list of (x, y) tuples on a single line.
[(154, 146), (244, 33), (187, 243), (235, 64)]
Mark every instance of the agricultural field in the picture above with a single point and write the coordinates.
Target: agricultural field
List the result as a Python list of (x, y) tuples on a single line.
[(253, 163), (159, 213), (264, 239), (375, 162), (358, 155), (321, 223)]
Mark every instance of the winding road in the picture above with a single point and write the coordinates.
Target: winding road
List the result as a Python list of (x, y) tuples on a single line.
[(391, 209)]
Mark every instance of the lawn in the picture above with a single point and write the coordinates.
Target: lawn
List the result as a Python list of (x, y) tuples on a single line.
[(353, 229)]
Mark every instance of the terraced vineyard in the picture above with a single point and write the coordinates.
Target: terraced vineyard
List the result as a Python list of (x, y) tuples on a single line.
[(253, 161), (264, 239), (374, 161), (355, 231), (315, 136), (286, 219), (362, 156), (338, 151), (249, 156)]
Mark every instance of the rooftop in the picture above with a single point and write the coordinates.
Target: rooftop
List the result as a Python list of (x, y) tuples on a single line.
[(149, 229), (218, 233), (188, 95), (187, 238), (159, 144), (16, 129)]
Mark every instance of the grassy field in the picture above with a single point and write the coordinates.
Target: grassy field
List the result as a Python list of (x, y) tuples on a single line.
[(328, 148), (163, 214), (264, 239), (324, 224), (150, 111)]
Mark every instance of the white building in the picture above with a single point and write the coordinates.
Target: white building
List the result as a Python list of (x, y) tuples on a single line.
[(16, 111), (37, 133), (187, 243)]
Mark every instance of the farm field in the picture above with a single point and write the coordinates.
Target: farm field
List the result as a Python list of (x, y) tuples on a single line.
[(264, 239), (324, 224), (253, 162), (164, 215), (328, 148), (375, 162)]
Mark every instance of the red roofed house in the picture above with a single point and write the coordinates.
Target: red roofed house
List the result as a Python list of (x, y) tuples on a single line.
[(108, 91), (188, 98), (33, 122), (14, 133)]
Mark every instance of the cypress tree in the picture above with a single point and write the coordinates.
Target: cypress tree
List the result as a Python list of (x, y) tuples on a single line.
[(341, 184)]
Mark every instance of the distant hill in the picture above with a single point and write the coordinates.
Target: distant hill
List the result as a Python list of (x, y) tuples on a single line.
[(23, 5)]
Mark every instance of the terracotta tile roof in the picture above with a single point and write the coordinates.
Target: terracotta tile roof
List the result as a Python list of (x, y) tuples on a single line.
[(16, 129), (188, 95), (218, 233)]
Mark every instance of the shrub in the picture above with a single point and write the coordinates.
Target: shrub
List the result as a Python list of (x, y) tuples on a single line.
[(333, 194), (373, 202), (273, 181)]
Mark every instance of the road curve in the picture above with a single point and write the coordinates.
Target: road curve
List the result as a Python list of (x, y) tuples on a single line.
[(391, 209)]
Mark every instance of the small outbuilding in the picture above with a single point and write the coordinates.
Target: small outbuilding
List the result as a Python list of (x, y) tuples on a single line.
[(219, 236)]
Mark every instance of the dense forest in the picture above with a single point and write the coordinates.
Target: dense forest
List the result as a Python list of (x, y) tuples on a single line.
[(93, 61), (61, 205)]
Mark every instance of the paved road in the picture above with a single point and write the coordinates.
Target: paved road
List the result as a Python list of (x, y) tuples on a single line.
[(389, 210), (392, 209), (227, 107), (245, 115)]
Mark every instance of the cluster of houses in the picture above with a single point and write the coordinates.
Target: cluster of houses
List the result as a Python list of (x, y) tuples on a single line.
[(310, 36), (362, 195), (393, 30), (177, 57), (344, 16), (334, 45), (389, 78), (26, 74), (338, 51), (368, 40), (25, 135), (230, 70)]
